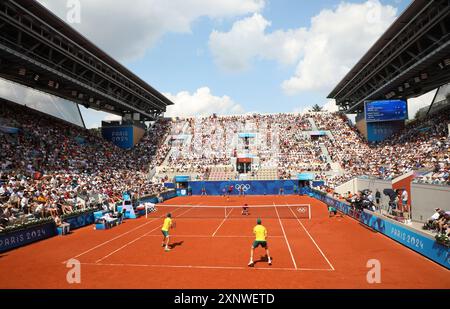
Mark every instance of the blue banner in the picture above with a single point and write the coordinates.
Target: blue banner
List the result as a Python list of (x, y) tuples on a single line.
[(379, 131), (255, 187), (182, 178), (9, 130), (305, 176), (424, 245), (81, 220), (247, 135), (119, 136), (169, 194), (154, 199), (21, 238), (169, 185), (318, 183)]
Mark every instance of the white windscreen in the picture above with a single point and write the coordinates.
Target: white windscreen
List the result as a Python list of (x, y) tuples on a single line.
[(43, 102)]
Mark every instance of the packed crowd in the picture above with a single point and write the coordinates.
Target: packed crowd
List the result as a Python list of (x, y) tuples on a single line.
[(439, 223), (276, 139), (423, 144), (280, 141), (300, 153), (51, 168)]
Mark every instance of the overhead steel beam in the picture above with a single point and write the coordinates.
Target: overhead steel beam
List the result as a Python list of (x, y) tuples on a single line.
[(34, 39)]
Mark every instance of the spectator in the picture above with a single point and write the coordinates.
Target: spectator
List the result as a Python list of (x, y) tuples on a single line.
[(377, 198)]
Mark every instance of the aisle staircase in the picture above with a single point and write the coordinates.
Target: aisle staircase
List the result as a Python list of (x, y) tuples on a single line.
[(313, 124)]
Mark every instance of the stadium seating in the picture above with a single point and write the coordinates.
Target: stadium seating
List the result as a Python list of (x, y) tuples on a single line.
[(50, 167)]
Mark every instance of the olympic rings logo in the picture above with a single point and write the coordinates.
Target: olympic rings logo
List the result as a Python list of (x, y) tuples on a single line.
[(302, 210), (243, 187)]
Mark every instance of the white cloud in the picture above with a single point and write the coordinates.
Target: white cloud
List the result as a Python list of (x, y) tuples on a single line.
[(330, 106), (323, 53), (248, 39), (112, 117), (337, 39), (126, 29), (201, 103)]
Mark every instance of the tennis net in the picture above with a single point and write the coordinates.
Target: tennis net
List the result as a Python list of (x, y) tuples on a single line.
[(294, 211)]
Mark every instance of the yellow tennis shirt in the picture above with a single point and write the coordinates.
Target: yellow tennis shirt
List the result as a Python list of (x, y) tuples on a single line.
[(260, 232), (166, 225)]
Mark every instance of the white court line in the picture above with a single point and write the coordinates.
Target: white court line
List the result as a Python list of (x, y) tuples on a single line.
[(133, 241), (123, 234), (317, 246), (285, 238), (208, 267), (209, 236), (223, 221)]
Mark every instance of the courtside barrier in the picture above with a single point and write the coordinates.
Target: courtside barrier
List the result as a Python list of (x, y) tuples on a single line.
[(251, 187), (9, 241), (416, 240), (167, 195), (80, 220), (15, 239), (421, 243)]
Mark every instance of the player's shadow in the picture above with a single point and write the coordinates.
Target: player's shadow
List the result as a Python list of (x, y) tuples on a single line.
[(262, 259), (176, 244)]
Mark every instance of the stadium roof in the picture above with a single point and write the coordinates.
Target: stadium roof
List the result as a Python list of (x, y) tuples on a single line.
[(411, 58), (40, 50)]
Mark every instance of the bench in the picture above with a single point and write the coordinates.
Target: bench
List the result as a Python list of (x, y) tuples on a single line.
[(102, 223)]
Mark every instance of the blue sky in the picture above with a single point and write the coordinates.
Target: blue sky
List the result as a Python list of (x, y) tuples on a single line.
[(234, 56), (183, 61)]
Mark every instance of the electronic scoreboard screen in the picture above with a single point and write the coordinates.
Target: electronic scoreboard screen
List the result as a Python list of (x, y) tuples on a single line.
[(386, 110)]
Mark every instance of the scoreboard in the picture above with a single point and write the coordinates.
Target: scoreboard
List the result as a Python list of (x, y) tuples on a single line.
[(386, 110)]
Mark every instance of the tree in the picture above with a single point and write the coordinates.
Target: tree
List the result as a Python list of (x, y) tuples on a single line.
[(316, 108)]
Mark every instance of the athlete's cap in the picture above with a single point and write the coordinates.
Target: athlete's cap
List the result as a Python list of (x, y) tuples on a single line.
[(258, 221)]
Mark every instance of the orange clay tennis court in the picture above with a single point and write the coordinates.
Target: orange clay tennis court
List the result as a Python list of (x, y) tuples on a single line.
[(212, 251)]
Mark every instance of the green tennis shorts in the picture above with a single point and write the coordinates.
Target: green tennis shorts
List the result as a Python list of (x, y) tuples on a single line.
[(258, 243), (165, 233)]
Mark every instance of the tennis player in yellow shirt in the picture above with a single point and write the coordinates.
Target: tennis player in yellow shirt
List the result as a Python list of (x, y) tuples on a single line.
[(165, 231), (260, 240)]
